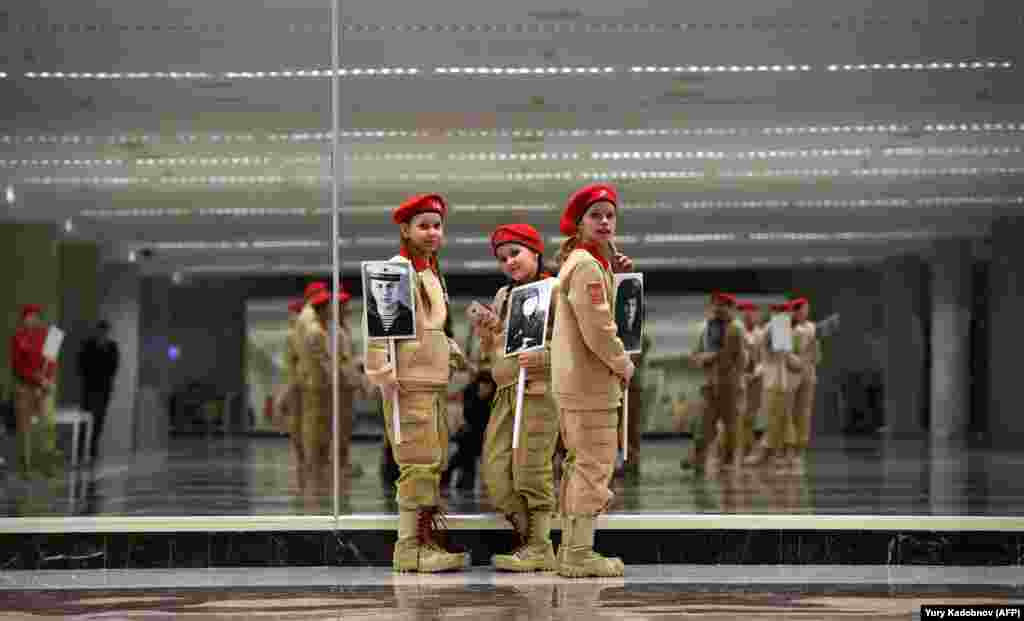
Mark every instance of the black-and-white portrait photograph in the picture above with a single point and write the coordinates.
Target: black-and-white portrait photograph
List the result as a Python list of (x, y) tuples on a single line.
[(629, 310), (528, 317), (390, 306)]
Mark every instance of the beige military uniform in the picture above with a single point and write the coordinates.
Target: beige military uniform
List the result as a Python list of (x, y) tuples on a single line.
[(521, 480), (808, 349), (587, 362), (723, 391), (291, 400), (423, 371), (778, 376), (754, 388)]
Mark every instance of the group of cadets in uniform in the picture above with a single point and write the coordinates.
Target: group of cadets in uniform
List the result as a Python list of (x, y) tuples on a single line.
[(754, 388), (573, 392)]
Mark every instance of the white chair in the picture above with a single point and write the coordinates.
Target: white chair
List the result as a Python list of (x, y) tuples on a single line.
[(75, 417)]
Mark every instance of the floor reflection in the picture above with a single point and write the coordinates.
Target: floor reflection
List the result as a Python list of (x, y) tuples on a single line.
[(675, 593), (249, 476)]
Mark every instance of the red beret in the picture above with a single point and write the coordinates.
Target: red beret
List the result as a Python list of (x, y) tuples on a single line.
[(30, 309), (798, 303), (719, 297), (313, 288), (780, 308), (523, 234), (422, 203), (581, 200), (746, 306), (295, 306), (322, 297)]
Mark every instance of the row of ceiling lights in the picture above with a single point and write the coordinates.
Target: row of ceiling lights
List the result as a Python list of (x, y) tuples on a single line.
[(652, 175), (649, 238), (327, 136), (232, 160), (945, 65), (826, 203)]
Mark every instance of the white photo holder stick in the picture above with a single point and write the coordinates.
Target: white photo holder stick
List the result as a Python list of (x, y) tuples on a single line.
[(625, 421), (520, 390), (396, 417)]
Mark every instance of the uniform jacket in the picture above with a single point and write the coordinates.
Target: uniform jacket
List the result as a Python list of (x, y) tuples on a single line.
[(315, 357), (424, 363), (505, 370), (780, 370), (808, 349), (587, 356), (730, 362), (752, 341)]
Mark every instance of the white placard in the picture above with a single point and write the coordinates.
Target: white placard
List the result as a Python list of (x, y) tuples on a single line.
[(781, 333), (54, 339)]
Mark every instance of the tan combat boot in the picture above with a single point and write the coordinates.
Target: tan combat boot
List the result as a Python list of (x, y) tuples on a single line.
[(566, 537), (580, 559), (418, 549), (536, 552)]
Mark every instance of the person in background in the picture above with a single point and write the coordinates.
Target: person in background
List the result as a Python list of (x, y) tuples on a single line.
[(754, 387), (721, 352), (476, 410), (780, 373), (807, 347), (289, 405), (97, 366), (33, 383)]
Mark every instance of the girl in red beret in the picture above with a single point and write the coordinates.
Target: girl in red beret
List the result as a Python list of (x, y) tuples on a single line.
[(589, 367), (520, 482), (779, 375), (421, 381)]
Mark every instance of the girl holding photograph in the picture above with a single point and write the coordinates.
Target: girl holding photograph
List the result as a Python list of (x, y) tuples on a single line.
[(520, 481), (420, 381), (589, 367)]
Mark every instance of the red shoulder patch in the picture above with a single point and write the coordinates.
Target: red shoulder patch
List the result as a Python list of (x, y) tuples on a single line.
[(596, 290)]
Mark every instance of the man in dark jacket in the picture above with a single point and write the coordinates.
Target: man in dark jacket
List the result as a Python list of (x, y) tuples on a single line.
[(97, 366)]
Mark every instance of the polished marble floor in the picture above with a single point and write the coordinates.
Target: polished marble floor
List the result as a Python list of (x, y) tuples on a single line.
[(253, 476), (649, 592)]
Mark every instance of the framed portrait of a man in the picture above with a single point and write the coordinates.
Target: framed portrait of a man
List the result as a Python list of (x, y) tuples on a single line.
[(526, 327), (629, 310), (390, 308)]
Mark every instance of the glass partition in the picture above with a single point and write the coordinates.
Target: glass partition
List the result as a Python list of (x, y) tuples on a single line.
[(168, 170)]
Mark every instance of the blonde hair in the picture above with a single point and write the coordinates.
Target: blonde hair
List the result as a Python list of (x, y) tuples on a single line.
[(566, 249)]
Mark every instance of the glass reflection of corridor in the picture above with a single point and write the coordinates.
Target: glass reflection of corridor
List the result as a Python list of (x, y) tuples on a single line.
[(255, 476)]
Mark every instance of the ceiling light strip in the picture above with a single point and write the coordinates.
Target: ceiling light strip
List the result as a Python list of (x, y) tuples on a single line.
[(528, 177), (820, 203), (531, 71), (325, 136)]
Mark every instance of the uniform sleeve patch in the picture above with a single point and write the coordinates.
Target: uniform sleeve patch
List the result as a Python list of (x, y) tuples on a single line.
[(596, 291)]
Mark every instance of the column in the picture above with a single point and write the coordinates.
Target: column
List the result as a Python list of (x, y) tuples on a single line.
[(902, 295), (79, 308), (1006, 310), (119, 304), (950, 339)]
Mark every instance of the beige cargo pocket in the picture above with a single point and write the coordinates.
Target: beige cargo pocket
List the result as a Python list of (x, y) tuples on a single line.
[(419, 429)]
